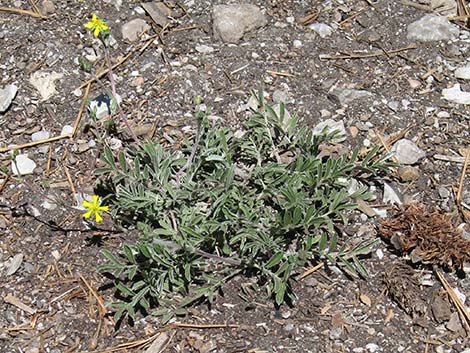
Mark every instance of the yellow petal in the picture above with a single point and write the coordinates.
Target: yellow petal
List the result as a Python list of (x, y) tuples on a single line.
[(98, 217), (103, 208), (94, 17), (88, 214), (87, 204), (96, 32), (104, 27), (89, 25), (95, 199)]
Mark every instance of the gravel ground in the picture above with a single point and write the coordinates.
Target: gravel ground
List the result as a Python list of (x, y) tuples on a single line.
[(364, 70)]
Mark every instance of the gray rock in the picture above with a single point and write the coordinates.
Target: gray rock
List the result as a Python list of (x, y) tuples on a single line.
[(329, 126), (463, 72), (322, 29), (158, 11), (440, 309), (335, 333), (432, 28), (456, 95), (454, 324), (231, 22), (44, 82), (346, 95), (280, 96), (443, 192), (15, 264), (22, 165), (7, 95), (406, 152), (289, 327), (132, 29)]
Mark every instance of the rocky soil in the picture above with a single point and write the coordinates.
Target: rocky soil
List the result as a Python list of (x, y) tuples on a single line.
[(388, 73)]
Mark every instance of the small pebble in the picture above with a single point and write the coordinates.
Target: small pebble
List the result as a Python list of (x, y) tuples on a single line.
[(372, 347)]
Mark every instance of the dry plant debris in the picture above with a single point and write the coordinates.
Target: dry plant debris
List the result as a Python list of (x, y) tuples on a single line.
[(428, 236), (403, 287)]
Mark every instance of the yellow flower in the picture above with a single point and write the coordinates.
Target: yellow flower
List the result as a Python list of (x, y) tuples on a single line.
[(94, 208), (96, 25)]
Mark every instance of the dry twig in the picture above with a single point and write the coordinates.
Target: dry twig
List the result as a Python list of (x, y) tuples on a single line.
[(371, 55), (458, 304), (22, 12)]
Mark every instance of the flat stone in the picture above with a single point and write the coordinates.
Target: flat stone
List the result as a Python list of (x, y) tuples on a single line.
[(408, 173), (158, 11), (7, 95), (231, 22), (346, 95), (432, 28), (456, 95), (329, 126), (22, 165), (322, 29), (406, 152), (15, 264), (44, 82), (440, 309), (132, 29), (463, 72), (454, 324)]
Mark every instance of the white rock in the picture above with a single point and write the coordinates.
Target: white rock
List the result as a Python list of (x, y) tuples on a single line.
[(231, 22), (132, 29), (44, 82), (204, 49), (297, 43), (381, 212), (390, 196), (22, 165), (432, 28), (456, 95), (40, 135), (322, 29), (379, 253), (329, 126), (7, 95), (372, 347), (67, 129), (115, 143), (77, 92), (463, 72), (406, 152)]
